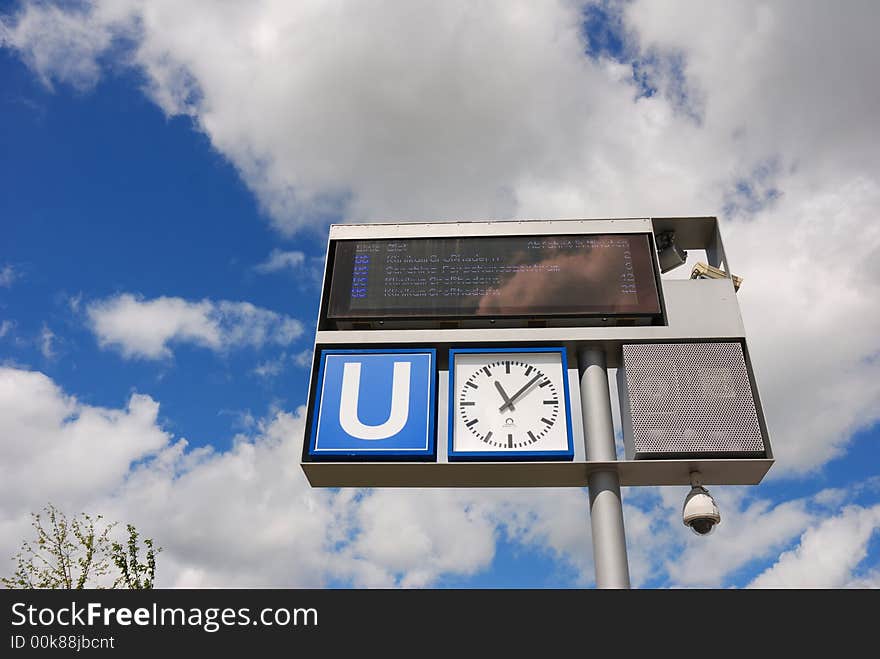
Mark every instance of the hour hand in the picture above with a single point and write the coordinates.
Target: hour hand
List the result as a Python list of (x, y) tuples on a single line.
[(509, 402), (504, 395)]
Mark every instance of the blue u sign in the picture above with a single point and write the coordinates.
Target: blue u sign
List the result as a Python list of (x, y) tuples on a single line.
[(374, 404)]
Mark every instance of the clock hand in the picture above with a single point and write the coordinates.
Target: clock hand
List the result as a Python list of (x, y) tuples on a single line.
[(504, 396), (520, 393)]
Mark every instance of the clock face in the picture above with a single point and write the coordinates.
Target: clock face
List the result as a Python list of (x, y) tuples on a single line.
[(509, 405)]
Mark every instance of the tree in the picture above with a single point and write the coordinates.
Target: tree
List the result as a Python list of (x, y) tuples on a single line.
[(79, 553), (65, 553), (134, 574)]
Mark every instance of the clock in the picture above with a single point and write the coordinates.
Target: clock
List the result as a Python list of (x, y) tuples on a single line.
[(509, 404)]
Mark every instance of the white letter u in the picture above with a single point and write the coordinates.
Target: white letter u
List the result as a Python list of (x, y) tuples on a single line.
[(348, 403)]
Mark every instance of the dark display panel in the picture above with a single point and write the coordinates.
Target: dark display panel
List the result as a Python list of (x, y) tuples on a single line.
[(599, 274)]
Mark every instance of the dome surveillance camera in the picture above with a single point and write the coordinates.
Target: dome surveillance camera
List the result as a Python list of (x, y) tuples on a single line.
[(700, 512)]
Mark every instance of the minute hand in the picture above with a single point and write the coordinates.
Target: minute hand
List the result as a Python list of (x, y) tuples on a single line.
[(519, 393)]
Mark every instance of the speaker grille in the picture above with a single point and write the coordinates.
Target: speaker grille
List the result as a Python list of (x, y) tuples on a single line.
[(689, 398)]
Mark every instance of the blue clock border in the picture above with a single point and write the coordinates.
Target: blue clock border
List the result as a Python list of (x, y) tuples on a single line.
[(507, 456)]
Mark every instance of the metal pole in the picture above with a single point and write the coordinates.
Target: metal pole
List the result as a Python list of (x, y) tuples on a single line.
[(606, 509)]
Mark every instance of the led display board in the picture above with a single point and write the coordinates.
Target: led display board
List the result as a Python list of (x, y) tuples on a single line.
[(494, 277)]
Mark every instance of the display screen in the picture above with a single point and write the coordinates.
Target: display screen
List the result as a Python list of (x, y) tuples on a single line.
[(598, 274)]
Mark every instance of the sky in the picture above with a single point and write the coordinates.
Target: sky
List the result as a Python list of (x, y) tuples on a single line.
[(168, 173)]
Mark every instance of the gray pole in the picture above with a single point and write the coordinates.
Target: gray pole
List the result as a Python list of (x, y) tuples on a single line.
[(606, 509)]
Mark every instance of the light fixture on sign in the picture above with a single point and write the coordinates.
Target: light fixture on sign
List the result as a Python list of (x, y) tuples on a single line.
[(705, 271)]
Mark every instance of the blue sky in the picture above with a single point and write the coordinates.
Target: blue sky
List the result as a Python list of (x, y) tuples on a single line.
[(110, 196), (164, 205)]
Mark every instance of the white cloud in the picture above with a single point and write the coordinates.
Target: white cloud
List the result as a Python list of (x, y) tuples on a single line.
[(749, 530), (5, 327), (763, 114), (190, 499), (47, 339), (402, 549), (308, 272), (254, 511), (870, 579), (57, 449), (452, 119), (65, 46), (145, 328), (280, 260), (809, 251), (236, 517), (816, 394), (757, 65), (754, 531), (232, 517), (74, 301), (8, 275), (828, 554), (271, 367), (552, 521), (304, 359)]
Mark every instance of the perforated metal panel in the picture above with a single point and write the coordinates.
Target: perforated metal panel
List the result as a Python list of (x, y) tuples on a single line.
[(680, 399)]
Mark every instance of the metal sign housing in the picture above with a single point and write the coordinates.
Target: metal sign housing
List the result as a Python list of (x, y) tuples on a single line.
[(693, 311)]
